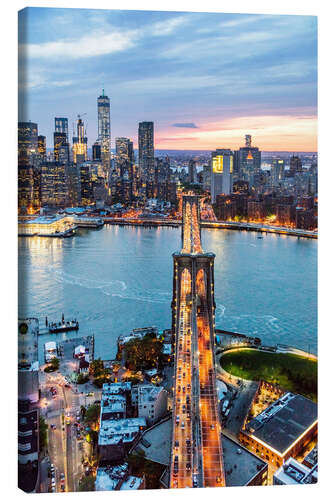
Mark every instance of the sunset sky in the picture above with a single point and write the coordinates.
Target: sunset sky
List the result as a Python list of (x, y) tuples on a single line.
[(205, 80)]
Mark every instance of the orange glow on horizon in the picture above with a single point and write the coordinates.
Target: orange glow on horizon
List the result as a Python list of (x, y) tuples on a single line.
[(270, 133)]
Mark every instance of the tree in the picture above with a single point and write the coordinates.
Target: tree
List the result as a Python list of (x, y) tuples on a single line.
[(92, 414), (96, 367), (143, 354), (87, 483), (82, 378)]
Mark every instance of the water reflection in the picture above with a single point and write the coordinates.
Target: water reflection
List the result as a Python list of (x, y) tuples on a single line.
[(120, 278)]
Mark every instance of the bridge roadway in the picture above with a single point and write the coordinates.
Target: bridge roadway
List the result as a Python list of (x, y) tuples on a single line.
[(196, 452)]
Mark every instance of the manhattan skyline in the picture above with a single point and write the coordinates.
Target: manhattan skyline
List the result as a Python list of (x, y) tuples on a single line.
[(204, 79)]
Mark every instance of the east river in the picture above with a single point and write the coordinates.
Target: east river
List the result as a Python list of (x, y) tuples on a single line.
[(119, 278)]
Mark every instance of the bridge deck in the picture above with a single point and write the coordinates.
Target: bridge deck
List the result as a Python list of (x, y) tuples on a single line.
[(196, 451)]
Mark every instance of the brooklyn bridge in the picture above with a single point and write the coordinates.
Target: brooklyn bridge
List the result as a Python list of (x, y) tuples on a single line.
[(196, 451)]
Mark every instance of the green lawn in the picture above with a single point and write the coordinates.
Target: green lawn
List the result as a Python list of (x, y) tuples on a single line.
[(293, 373)]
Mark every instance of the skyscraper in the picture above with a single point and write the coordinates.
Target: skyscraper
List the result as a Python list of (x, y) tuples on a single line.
[(61, 126), (146, 151), (104, 129), (295, 165), (124, 155), (61, 147), (192, 172), (54, 189), (80, 143), (221, 177), (42, 147), (277, 171), (96, 151), (247, 162), (27, 142)]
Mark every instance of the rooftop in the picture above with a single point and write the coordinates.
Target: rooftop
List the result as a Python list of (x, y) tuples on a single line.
[(240, 465), (148, 393), (132, 483), (293, 472), (115, 388), (120, 431), (156, 442), (283, 422), (46, 219), (108, 478), (112, 404)]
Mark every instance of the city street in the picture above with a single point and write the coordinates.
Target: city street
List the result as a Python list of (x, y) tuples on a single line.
[(61, 410)]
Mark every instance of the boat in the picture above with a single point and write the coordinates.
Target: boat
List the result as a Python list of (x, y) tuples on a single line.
[(63, 326), (260, 237)]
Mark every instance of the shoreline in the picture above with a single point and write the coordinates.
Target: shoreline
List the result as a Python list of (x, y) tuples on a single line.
[(238, 226)]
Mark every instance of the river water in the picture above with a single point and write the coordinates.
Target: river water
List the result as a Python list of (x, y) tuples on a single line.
[(119, 278)]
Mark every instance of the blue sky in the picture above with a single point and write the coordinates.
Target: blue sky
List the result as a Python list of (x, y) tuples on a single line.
[(204, 79)]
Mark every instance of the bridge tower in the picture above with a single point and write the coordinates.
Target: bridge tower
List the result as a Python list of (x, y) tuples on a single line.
[(195, 412)]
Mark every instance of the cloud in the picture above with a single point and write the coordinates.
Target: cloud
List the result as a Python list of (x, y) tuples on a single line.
[(169, 26), (93, 45), (185, 125)]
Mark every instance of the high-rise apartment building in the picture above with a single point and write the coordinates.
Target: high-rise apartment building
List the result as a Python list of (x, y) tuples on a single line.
[(80, 153), (104, 129), (221, 172), (146, 151), (277, 171), (192, 172)]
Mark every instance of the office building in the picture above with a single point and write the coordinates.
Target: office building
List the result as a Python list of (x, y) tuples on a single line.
[(146, 151), (104, 129), (293, 472), (282, 430), (60, 147), (54, 189), (28, 188), (96, 151), (86, 184), (247, 162), (124, 156), (27, 143), (61, 126), (221, 172), (80, 142), (42, 147)]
